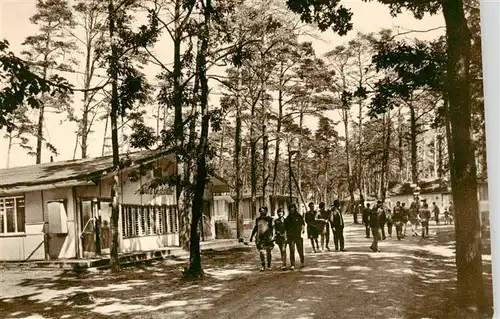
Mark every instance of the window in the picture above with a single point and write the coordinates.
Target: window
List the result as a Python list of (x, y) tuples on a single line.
[(12, 215), (148, 220)]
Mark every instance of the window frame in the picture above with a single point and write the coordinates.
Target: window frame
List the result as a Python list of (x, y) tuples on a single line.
[(4, 232)]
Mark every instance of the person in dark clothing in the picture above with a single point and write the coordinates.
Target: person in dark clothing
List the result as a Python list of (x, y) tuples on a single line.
[(280, 236), (264, 241), (294, 227), (375, 225), (366, 219), (446, 216), (425, 214), (406, 218), (435, 210), (397, 219), (389, 222), (382, 220), (338, 226), (311, 217), (323, 223)]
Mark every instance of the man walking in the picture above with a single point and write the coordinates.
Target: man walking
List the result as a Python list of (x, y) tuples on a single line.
[(338, 226), (311, 217), (425, 215), (366, 219), (435, 210), (375, 225), (406, 217), (323, 223), (397, 218), (264, 241), (294, 227), (280, 236)]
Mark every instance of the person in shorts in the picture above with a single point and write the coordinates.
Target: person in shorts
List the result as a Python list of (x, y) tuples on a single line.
[(264, 241)]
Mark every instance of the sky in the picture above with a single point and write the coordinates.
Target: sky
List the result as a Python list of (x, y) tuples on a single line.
[(15, 26)]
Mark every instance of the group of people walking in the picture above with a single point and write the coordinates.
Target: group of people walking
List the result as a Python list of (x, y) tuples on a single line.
[(288, 232), (378, 217)]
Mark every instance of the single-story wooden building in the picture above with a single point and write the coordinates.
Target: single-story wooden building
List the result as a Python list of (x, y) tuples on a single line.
[(62, 210)]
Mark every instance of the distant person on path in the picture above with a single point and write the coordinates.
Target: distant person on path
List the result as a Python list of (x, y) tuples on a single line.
[(397, 218), (425, 215), (280, 236), (324, 226), (451, 209), (382, 219), (375, 225), (446, 216), (414, 218), (311, 217), (435, 210), (338, 226), (406, 217), (294, 226), (366, 219), (264, 241), (389, 222)]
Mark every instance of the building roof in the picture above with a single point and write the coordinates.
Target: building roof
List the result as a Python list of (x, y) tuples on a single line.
[(76, 172), (56, 172)]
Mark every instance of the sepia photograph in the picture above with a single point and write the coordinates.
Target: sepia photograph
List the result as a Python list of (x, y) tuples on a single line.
[(248, 159)]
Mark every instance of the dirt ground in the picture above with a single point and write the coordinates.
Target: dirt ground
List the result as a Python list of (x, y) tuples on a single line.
[(412, 278)]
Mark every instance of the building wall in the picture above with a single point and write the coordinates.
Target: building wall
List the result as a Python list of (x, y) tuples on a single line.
[(149, 242), (31, 244)]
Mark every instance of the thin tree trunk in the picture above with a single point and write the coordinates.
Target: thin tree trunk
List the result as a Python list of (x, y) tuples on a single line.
[(115, 210), (9, 148), (386, 154), (463, 167), (253, 165), (237, 164), (105, 133), (195, 268), (414, 151), (400, 146), (278, 138)]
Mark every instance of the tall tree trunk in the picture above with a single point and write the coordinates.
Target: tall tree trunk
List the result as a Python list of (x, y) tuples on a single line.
[(385, 158), (113, 72), (9, 149), (237, 164), (86, 100), (195, 269), (39, 134), (182, 179), (400, 146), (350, 184), (413, 142), (299, 155), (105, 134), (463, 167), (253, 164), (360, 148), (265, 156), (278, 138)]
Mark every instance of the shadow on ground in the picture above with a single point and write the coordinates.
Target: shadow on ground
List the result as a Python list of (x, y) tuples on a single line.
[(412, 278)]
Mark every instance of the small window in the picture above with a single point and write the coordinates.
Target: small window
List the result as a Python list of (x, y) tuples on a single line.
[(12, 215)]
